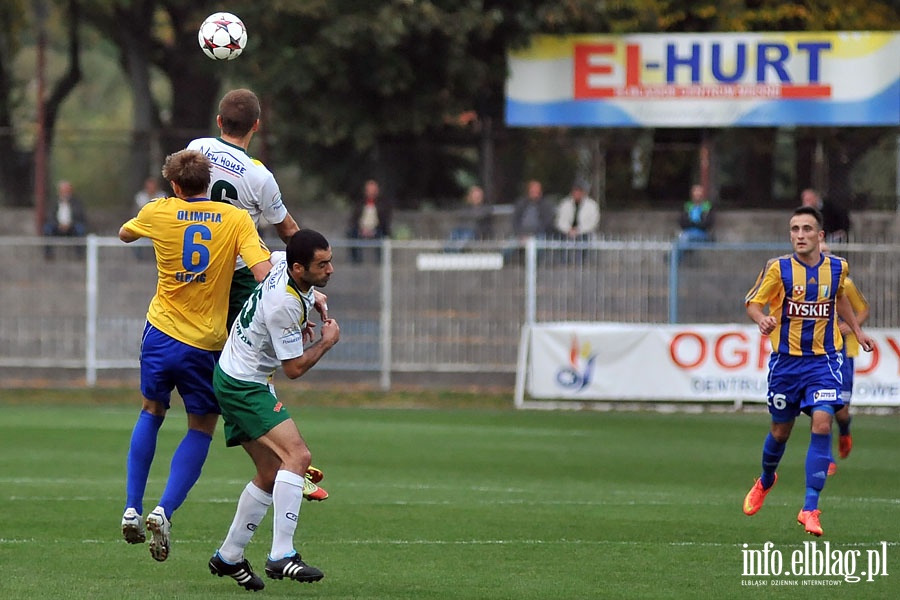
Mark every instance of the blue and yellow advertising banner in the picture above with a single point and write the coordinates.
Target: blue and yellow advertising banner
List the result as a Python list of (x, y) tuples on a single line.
[(706, 80)]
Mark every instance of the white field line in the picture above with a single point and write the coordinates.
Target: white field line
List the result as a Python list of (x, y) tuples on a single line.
[(491, 542), (672, 501)]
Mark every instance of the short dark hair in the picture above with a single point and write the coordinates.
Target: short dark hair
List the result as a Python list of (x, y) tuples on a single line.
[(239, 110), (810, 210), (302, 246), (190, 169)]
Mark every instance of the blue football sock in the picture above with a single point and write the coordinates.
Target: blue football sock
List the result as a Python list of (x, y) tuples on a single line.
[(818, 457), (844, 428), (773, 450), (140, 457), (187, 462)]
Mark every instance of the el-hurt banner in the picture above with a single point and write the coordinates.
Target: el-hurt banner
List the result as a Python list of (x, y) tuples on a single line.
[(706, 80), (613, 361)]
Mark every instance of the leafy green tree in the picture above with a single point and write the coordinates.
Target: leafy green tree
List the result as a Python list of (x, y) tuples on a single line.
[(16, 172), (411, 92), (160, 35), (408, 91), (399, 90)]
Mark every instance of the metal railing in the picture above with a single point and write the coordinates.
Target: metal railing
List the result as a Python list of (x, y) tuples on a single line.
[(408, 306)]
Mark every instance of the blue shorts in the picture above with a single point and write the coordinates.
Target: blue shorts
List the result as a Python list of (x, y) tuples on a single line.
[(167, 364), (803, 384), (847, 370)]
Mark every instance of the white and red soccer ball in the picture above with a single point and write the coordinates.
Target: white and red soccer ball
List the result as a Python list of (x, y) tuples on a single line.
[(222, 36)]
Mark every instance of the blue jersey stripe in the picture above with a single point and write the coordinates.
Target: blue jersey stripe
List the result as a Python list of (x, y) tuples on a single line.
[(811, 281), (787, 279)]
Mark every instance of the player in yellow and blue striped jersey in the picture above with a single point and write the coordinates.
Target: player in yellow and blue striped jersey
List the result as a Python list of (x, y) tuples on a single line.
[(796, 301)]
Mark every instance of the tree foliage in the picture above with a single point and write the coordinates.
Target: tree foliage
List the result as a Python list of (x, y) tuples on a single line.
[(390, 89), (397, 90), (160, 34), (409, 91)]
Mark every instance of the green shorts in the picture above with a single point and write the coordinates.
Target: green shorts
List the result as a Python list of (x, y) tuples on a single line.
[(249, 409), (242, 285)]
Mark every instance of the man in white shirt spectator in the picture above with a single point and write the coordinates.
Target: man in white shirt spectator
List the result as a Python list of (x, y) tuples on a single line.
[(578, 215)]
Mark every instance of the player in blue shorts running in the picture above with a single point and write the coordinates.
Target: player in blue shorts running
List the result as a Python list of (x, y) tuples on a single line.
[(805, 294)]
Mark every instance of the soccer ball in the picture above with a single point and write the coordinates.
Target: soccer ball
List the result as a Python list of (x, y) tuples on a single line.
[(222, 36)]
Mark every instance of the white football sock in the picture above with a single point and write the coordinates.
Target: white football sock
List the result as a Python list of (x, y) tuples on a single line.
[(286, 498), (251, 509)]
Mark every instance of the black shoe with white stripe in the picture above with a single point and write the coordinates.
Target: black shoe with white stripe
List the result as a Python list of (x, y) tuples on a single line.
[(241, 572), (293, 568)]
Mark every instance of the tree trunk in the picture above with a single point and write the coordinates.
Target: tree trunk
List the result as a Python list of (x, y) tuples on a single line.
[(143, 160), (15, 168), (65, 84)]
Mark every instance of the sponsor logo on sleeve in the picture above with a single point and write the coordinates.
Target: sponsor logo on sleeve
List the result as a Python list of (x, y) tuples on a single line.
[(291, 335)]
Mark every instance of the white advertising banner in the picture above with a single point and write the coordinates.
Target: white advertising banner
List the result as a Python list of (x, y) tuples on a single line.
[(741, 79), (614, 361)]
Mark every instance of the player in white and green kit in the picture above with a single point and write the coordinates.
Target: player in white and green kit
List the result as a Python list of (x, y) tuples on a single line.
[(243, 181), (268, 333)]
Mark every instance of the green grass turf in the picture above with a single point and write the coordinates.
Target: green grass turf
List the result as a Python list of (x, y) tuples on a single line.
[(435, 504)]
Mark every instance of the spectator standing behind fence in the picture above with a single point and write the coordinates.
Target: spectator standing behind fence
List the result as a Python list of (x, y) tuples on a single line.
[(533, 217), (697, 217), (835, 218), (475, 220), (578, 215), (149, 191), (370, 218), (533, 214), (68, 217)]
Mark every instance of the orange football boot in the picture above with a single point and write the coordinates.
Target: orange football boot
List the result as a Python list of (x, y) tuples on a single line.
[(810, 520), (756, 496), (845, 445)]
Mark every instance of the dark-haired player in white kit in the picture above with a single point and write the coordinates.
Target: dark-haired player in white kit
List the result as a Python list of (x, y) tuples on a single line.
[(268, 333)]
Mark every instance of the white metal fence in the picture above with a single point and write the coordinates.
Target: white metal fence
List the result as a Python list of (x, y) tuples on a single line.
[(411, 306)]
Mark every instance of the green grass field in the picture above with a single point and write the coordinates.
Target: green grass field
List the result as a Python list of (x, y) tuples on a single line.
[(441, 503)]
